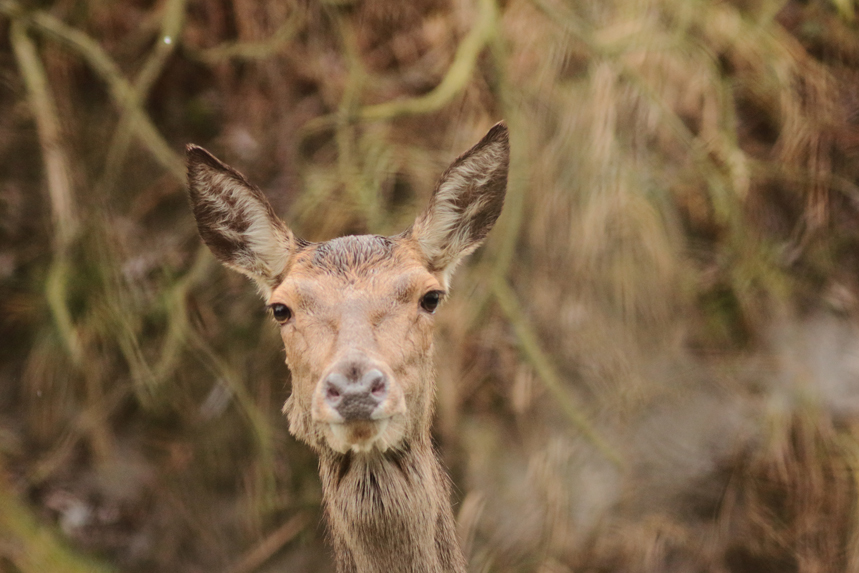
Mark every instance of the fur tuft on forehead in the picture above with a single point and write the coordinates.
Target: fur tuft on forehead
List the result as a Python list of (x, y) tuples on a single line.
[(357, 254)]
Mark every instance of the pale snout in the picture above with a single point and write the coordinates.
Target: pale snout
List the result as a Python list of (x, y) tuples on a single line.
[(354, 397), (361, 403)]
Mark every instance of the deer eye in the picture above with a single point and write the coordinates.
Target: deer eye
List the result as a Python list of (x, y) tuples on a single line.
[(430, 300), (280, 312)]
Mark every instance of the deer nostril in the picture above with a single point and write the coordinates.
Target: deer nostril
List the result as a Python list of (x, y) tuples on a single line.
[(335, 385), (376, 382)]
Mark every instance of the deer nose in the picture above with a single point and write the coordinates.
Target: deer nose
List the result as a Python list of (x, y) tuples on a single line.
[(356, 397)]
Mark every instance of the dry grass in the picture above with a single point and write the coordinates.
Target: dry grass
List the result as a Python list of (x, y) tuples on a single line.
[(612, 393)]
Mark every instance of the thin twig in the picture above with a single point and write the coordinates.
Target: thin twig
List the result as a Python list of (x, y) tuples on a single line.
[(172, 21), (249, 51), (171, 26), (57, 169), (545, 370), (176, 309), (262, 552), (782, 172)]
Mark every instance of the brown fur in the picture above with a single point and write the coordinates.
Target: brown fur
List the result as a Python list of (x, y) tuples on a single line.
[(356, 305)]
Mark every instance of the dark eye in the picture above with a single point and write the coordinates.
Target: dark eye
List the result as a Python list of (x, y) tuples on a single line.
[(281, 312), (430, 300)]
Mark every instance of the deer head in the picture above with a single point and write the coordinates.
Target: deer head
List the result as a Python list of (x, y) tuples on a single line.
[(355, 313)]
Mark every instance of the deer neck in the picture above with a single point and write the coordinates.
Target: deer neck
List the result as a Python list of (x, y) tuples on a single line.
[(390, 511)]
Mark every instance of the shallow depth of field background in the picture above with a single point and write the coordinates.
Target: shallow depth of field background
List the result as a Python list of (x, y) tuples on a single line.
[(652, 365)]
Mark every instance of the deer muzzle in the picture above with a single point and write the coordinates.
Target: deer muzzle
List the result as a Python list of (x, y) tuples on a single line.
[(358, 398)]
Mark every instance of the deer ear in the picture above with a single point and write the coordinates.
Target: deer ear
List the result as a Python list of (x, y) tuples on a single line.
[(236, 221), (466, 203)]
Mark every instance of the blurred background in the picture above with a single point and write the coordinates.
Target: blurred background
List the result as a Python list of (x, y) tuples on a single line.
[(652, 365)]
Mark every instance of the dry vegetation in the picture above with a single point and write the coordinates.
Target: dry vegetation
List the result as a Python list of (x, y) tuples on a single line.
[(652, 366)]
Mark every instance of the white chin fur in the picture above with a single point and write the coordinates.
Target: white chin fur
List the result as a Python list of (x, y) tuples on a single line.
[(362, 437)]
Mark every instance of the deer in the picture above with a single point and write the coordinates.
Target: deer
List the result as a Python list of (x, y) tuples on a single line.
[(356, 317)]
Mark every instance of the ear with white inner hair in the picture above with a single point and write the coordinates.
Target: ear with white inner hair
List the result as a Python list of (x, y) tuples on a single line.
[(236, 221), (466, 203)]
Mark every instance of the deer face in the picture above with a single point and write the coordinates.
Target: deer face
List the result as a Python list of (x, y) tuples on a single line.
[(358, 337), (355, 313)]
